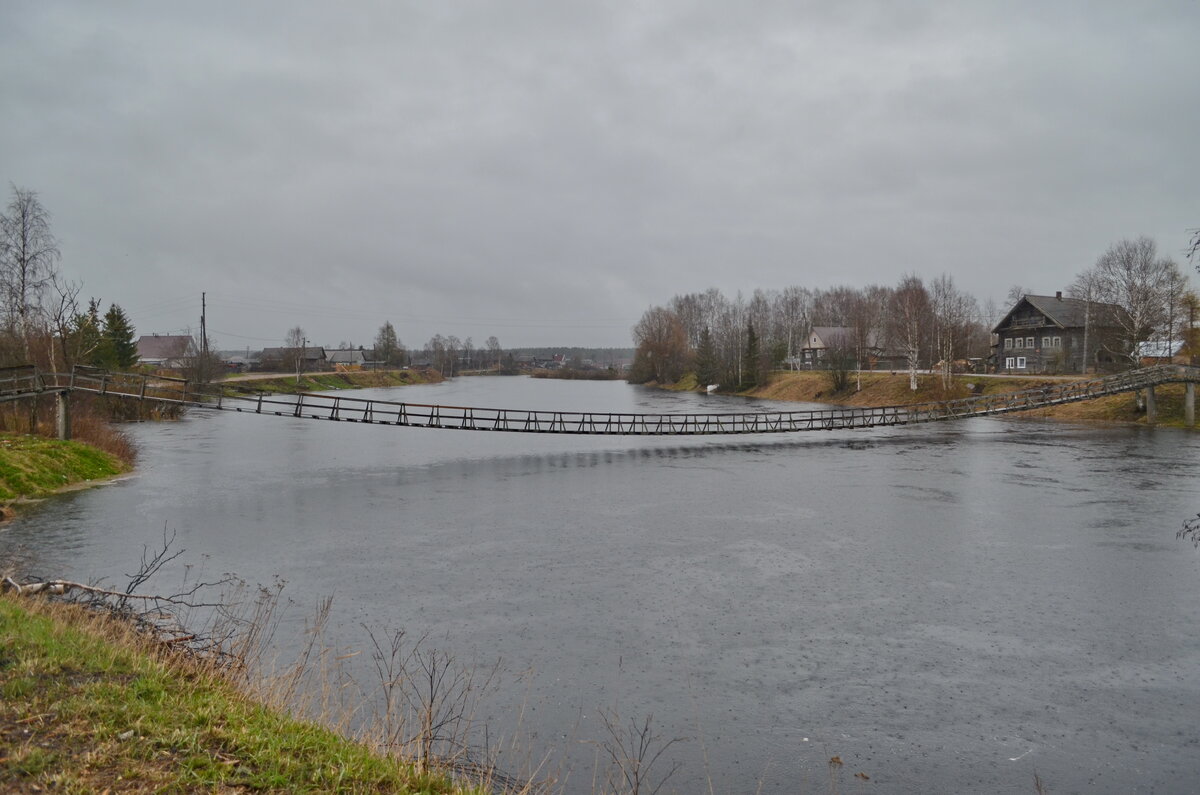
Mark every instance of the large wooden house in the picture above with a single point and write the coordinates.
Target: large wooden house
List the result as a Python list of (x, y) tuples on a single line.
[(1052, 334)]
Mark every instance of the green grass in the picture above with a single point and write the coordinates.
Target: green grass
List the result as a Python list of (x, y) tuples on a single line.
[(32, 467), (88, 706)]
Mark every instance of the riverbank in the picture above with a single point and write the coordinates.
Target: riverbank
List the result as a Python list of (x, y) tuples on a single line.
[(888, 389), (319, 382), (33, 468), (89, 705)]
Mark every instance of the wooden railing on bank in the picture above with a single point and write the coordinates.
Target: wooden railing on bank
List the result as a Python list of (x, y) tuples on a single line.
[(24, 382)]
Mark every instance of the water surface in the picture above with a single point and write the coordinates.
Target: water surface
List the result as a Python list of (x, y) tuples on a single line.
[(948, 607)]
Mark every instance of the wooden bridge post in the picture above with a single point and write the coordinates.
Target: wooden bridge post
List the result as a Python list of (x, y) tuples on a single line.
[(1151, 406), (62, 414), (1189, 404)]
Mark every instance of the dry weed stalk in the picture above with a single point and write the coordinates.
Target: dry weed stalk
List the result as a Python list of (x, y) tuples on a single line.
[(428, 702), (632, 752)]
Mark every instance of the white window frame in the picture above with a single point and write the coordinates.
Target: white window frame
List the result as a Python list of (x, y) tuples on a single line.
[(1029, 342), (1020, 362), (1008, 343), (1019, 343), (1009, 363), (1045, 342)]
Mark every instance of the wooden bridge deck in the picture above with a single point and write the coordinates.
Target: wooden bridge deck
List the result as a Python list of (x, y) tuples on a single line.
[(16, 383)]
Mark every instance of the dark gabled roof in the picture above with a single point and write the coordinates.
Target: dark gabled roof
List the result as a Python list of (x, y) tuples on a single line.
[(165, 346), (1066, 312), (347, 356)]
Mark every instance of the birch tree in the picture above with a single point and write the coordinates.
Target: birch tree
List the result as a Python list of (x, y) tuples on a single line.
[(1131, 275), (29, 258), (909, 317)]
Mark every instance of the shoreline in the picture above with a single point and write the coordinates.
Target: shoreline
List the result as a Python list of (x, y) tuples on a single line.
[(884, 388)]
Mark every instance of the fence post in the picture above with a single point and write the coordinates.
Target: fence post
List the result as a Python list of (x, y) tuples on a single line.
[(62, 415), (1189, 403), (1151, 406)]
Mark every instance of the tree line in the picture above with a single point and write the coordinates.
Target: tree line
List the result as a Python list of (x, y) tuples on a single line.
[(913, 325), (447, 354)]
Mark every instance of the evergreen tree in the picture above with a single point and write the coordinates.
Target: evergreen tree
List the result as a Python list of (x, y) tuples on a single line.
[(117, 350), (751, 362), (706, 359), (83, 340)]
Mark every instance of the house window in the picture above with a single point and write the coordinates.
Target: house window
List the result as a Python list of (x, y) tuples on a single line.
[(1056, 342), (1007, 343), (1009, 362), (1020, 362), (1018, 343), (1045, 342), (1029, 342)]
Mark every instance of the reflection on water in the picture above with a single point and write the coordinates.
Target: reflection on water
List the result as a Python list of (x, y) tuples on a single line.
[(947, 608)]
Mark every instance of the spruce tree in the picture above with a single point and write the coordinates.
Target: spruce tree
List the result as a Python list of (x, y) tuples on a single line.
[(118, 350), (706, 360), (750, 364)]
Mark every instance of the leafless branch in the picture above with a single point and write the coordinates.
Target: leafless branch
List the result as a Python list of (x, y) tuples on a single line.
[(633, 751)]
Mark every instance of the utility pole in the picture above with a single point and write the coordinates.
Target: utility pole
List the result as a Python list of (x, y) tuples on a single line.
[(203, 326), (202, 370)]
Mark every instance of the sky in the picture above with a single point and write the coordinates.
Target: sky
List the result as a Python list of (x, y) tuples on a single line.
[(546, 171)]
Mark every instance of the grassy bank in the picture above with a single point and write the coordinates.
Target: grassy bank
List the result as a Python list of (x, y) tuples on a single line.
[(88, 705), (33, 467), (886, 389), (319, 382)]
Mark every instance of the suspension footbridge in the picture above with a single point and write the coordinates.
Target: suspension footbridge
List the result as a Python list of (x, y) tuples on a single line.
[(25, 382)]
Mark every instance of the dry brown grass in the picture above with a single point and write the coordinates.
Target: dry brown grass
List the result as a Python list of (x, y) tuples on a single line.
[(887, 389)]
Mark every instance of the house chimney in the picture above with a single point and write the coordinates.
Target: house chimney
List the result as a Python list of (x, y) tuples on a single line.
[(1058, 295)]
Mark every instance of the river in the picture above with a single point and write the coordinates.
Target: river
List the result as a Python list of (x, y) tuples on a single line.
[(946, 608)]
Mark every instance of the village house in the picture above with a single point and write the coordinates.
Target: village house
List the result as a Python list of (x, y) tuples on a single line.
[(166, 351), (823, 341), (350, 359), (1049, 334), (284, 359), (1154, 352)]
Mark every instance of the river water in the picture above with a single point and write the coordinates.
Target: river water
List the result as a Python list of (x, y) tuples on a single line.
[(947, 608)]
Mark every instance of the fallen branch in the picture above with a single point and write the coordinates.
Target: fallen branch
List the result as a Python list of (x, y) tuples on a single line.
[(59, 587)]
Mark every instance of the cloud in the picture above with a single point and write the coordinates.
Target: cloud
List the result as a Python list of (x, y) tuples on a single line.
[(554, 168)]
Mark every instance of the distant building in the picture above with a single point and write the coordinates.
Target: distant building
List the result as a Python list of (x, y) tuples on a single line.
[(166, 351), (1154, 352), (284, 359), (353, 359), (823, 341), (1049, 333)]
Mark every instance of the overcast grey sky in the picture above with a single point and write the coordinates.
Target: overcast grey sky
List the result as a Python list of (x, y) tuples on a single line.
[(545, 171)]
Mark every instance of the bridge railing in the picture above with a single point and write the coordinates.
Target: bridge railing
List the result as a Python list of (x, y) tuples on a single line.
[(17, 382)]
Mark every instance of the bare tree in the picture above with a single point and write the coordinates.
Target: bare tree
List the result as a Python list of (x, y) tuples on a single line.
[(909, 316), (387, 345), (28, 260), (1131, 275), (1016, 293), (662, 347), (295, 342), (953, 314), (494, 351)]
